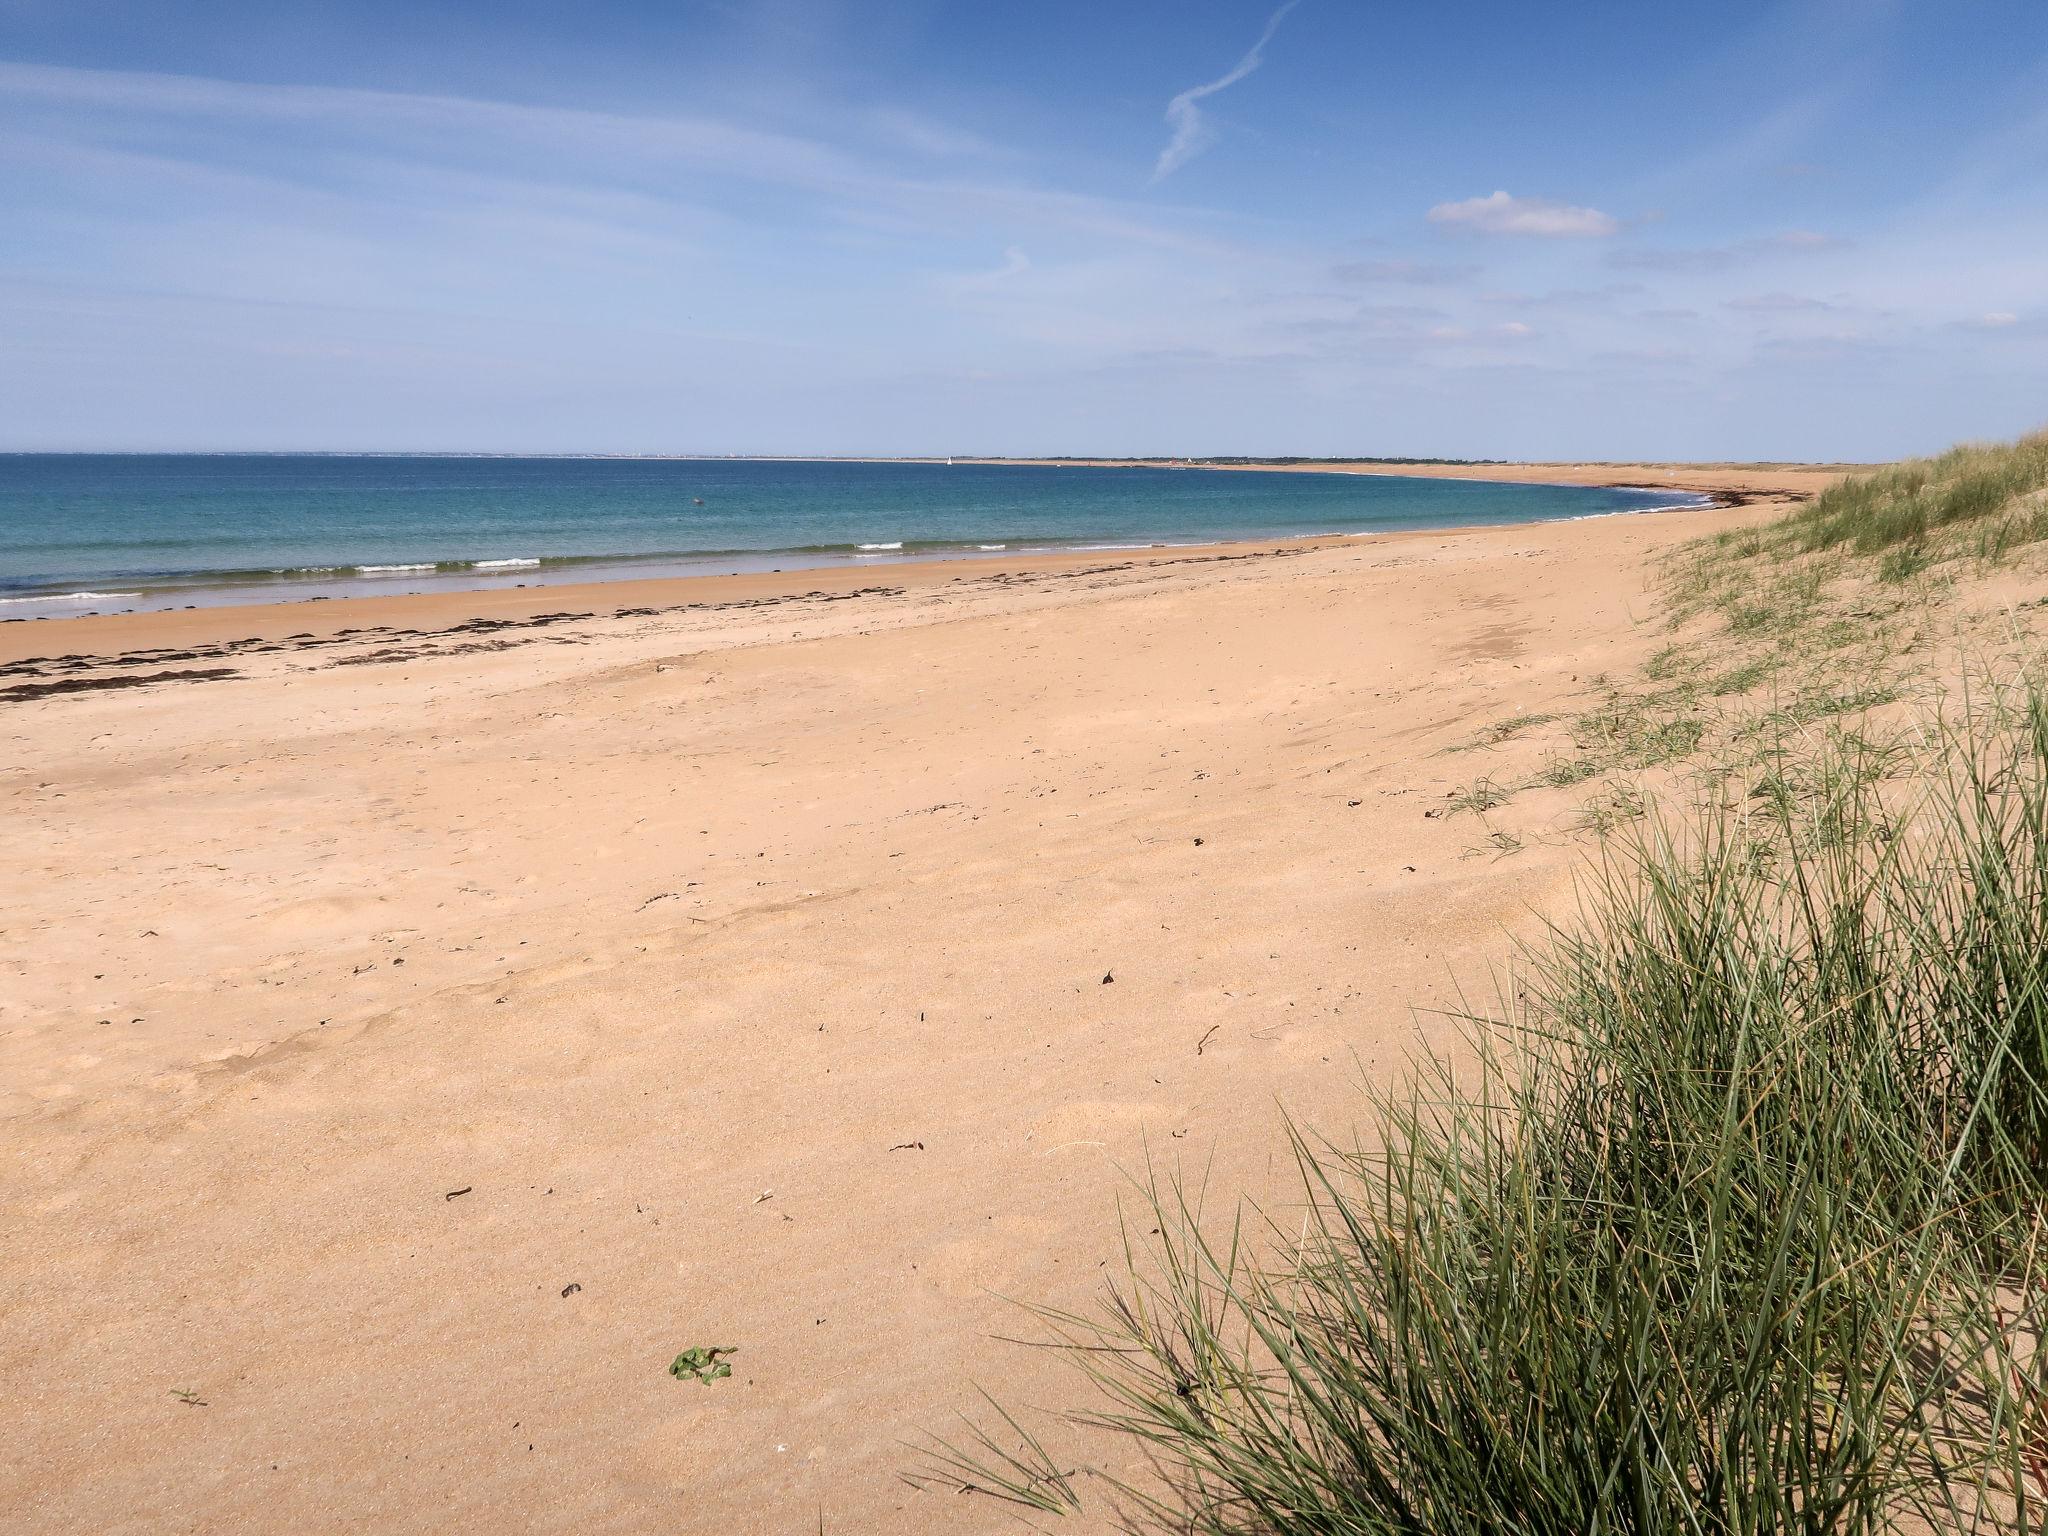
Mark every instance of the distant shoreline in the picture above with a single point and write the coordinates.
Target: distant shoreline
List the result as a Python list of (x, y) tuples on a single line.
[(321, 576), (1337, 464)]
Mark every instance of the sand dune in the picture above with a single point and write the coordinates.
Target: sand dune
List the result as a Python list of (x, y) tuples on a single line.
[(415, 1037)]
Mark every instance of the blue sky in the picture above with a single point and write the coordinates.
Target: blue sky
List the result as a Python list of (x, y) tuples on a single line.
[(1762, 228)]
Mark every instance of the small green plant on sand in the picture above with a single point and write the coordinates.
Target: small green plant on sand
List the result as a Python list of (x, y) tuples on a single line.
[(1503, 842), (1480, 795), (1564, 772), (702, 1363)]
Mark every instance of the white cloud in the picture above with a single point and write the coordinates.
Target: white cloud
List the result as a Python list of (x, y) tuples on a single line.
[(1190, 134), (1777, 303), (1998, 319), (1504, 214), (1016, 262)]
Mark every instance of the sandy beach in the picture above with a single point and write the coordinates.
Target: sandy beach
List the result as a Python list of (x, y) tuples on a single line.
[(424, 1017)]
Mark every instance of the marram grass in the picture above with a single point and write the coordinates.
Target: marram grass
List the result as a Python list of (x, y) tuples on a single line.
[(1733, 1227), (1996, 489)]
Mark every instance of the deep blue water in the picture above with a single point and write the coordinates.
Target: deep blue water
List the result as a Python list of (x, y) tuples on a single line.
[(85, 532)]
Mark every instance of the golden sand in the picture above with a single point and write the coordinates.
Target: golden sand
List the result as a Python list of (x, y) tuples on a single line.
[(415, 1037)]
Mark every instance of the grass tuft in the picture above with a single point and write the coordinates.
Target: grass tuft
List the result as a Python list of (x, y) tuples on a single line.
[(1480, 796), (1734, 1225), (2003, 486)]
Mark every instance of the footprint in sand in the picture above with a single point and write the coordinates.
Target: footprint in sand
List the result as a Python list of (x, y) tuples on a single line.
[(322, 914), (988, 1263)]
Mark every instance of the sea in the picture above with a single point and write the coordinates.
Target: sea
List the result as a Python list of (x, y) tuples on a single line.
[(106, 533)]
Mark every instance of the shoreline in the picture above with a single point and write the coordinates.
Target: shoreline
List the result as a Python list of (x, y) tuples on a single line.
[(92, 643), (213, 622), (204, 633)]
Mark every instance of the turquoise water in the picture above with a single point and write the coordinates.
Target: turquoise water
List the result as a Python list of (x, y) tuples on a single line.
[(104, 533)]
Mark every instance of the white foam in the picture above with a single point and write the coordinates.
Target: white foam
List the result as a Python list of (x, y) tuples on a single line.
[(388, 570), (503, 565), (991, 546), (1691, 504), (874, 547), (68, 597)]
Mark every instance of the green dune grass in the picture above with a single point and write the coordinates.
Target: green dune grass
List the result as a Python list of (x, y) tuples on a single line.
[(1997, 492), (1734, 1228)]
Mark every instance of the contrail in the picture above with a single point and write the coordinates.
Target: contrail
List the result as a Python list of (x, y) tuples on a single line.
[(1189, 138)]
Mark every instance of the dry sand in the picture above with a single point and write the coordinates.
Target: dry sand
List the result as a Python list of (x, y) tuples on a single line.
[(740, 967)]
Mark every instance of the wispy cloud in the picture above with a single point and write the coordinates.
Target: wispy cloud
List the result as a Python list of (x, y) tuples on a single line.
[(1016, 262), (1501, 213), (1191, 135), (1421, 274), (1715, 258), (1777, 303), (1990, 320), (539, 144), (1564, 298), (934, 140), (1506, 330)]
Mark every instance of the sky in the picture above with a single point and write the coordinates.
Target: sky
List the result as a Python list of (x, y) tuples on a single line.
[(1812, 229)]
